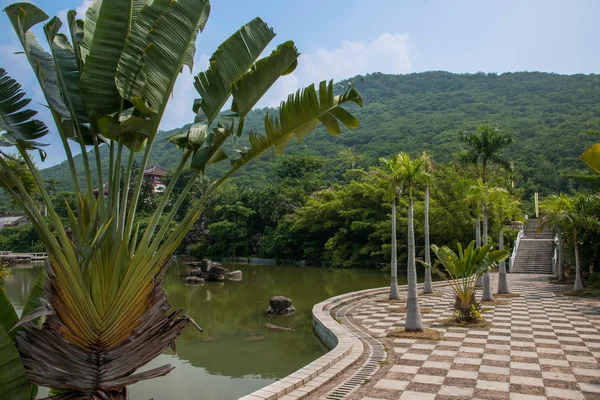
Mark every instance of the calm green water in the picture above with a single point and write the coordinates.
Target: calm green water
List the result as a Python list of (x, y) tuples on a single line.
[(236, 354)]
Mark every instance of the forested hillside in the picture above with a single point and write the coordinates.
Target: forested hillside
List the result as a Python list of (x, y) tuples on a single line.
[(546, 113)]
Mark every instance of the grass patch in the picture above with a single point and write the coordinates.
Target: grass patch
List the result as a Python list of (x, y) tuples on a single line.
[(494, 303), (506, 295), (429, 334), (482, 323), (399, 310), (585, 292)]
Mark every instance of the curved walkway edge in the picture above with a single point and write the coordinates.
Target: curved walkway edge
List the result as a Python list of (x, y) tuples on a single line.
[(346, 349)]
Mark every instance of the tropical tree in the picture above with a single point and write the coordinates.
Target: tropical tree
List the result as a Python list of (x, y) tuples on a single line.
[(484, 147), (505, 207), (479, 196), (427, 284), (108, 87), (462, 269), (406, 174), (391, 174), (572, 215)]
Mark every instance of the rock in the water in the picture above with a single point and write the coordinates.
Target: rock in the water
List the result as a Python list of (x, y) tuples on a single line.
[(194, 280), (280, 305), (195, 272), (206, 265), (235, 275), (216, 273)]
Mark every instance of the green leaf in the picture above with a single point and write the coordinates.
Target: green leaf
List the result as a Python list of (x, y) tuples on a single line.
[(16, 124), (76, 31), (105, 45), (211, 151), (8, 315), (34, 301), (592, 157), (67, 73), (169, 45), (13, 381), (232, 59), (133, 132), (251, 86), (23, 16), (131, 77), (298, 116)]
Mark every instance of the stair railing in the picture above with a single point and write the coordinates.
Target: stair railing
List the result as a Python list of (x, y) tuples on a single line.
[(514, 251)]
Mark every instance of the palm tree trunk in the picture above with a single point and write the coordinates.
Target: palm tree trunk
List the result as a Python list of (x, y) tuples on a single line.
[(487, 287), (578, 282), (502, 279), (427, 286), (559, 262), (477, 231), (479, 282), (394, 293), (413, 313)]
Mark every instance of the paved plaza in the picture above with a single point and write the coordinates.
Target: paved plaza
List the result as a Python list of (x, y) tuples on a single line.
[(540, 345)]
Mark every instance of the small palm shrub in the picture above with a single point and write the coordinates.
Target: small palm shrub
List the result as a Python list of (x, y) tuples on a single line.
[(462, 270)]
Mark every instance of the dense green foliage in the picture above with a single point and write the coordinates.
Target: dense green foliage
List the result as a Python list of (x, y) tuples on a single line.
[(545, 113)]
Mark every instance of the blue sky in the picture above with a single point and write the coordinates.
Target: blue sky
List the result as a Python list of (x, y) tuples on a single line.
[(342, 38)]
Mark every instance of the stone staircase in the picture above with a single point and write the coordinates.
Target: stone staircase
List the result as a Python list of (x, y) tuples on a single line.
[(535, 252)]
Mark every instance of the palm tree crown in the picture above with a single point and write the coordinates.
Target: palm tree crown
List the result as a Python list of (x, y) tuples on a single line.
[(484, 146)]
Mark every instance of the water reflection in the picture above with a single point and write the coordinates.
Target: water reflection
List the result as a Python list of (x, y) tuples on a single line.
[(236, 354)]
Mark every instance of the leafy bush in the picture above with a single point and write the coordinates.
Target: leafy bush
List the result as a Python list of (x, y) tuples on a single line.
[(462, 271), (594, 280)]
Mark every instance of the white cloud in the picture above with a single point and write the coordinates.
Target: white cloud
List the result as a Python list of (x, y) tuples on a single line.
[(81, 9), (388, 53)]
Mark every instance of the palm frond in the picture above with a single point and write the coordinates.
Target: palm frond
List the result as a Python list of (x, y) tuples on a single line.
[(170, 40), (23, 16), (17, 127), (233, 58), (299, 115), (251, 86), (106, 42)]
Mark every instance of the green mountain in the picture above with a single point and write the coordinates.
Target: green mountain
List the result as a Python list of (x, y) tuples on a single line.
[(546, 113)]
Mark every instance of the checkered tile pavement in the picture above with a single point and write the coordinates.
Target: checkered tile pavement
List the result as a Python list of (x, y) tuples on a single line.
[(541, 345)]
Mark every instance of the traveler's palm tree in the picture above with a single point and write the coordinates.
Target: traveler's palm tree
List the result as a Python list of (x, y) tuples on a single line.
[(427, 284), (462, 269), (505, 207), (571, 214), (107, 89), (409, 173)]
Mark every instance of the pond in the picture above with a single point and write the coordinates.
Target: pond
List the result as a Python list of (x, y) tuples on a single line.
[(236, 354)]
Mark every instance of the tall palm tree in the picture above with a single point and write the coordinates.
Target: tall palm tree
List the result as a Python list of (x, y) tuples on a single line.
[(483, 147), (479, 197), (411, 173), (390, 173), (505, 207), (108, 87), (427, 284), (571, 214)]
